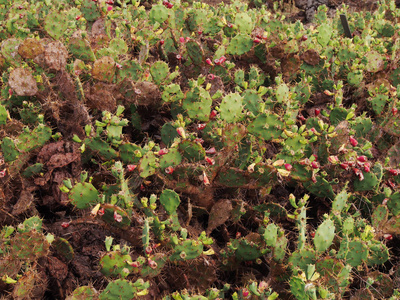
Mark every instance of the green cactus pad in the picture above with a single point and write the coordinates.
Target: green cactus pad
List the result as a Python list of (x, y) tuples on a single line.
[(271, 234), (109, 216), (172, 158), (195, 52), (168, 133), (119, 289), (101, 147), (189, 249), (90, 10), (324, 236), (357, 252), (298, 288), (64, 248), (83, 195), (9, 150), (266, 126), (394, 203), (159, 71), (197, 104), (231, 107), (324, 34), (56, 24), (244, 23), (81, 49), (169, 199), (29, 246), (158, 13), (113, 264), (149, 272), (83, 292), (252, 101), (240, 44), (302, 258), (34, 139), (147, 166), (192, 151), (378, 253)]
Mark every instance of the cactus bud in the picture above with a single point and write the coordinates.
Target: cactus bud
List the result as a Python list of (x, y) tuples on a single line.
[(148, 249), (304, 38), (222, 59), (315, 165), (181, 132), (178, 57), (317, 111), (312, 234), (169, 170), (288, 167), (213, 114), (205, 179), (162, 151), (210, 76), (394, 110), (117, 217), (201, 126), (199, 140), (182, 39), (362, 158), (367, 167), (353, 141), (211, 151), (152, 264), (245, 292), (162, 42), (130, 168), (344, 166), (100, 212), (358, 173), (256, 40), (77, 17), (394, 172), (388, 236), (65, 224), (170, 5), (210, 161), (109, 8), (209, 62)]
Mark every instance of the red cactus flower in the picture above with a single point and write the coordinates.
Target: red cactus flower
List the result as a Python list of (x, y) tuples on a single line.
[(344, 166), (77, 18), (170, 5), (394, 172), (256, 40), (222, 59), (100, 212), (169, 170), (162, 151), (315, 165), (367, 167), (210, 76), (178, 57)]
